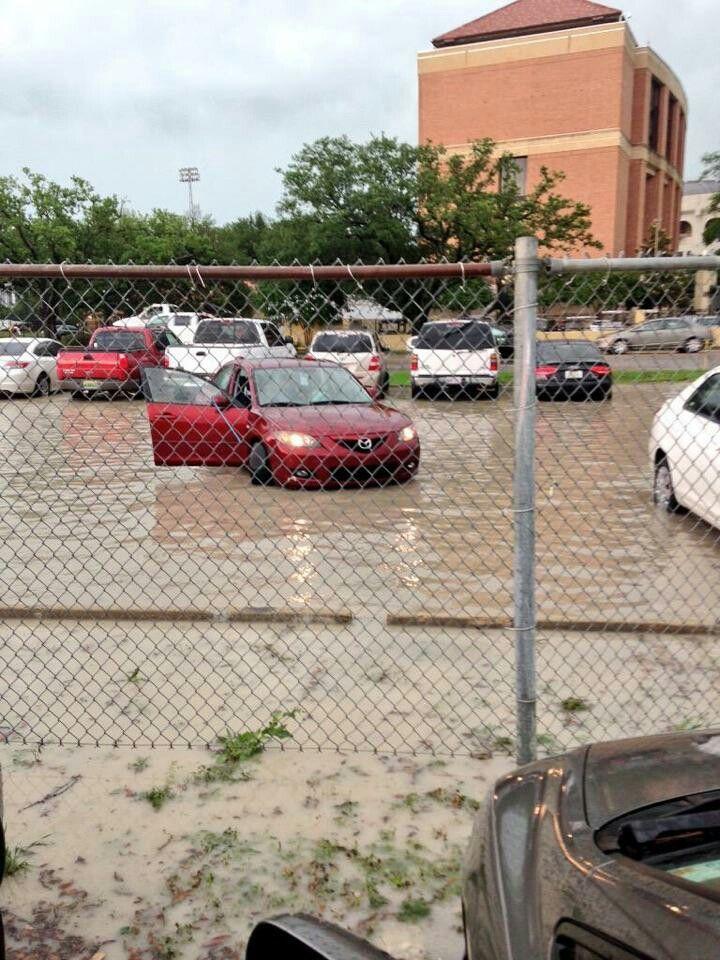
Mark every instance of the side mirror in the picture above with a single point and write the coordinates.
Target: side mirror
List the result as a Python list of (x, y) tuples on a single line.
[(221, 402), (302, 937)]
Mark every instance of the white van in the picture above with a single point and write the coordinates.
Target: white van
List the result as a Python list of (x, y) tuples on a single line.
[(457, 355)]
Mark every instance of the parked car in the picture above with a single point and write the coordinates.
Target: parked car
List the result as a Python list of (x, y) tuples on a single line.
[(455, 355), (359, 352), (571, 370), (286, 421), (28, 365), (609, 852), (218, 341), (183, 325), (113, 361), (665, 333), (146, 315), (685, 450)]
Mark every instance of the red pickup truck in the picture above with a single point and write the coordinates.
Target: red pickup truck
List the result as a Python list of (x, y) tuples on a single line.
[(113, 361)]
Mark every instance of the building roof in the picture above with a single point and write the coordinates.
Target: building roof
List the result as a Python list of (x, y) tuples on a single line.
[(530, 16), (700, 188)]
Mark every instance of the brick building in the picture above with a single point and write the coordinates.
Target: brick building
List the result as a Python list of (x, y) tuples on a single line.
[(564, 84)]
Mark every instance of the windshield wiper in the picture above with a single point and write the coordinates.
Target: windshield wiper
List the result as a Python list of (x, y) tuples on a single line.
[(638, 837)]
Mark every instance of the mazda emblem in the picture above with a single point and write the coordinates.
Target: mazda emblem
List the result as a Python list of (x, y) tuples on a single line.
[(365, 443)]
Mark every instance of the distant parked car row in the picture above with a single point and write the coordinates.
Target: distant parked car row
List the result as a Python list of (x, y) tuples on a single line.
[(689, 334)]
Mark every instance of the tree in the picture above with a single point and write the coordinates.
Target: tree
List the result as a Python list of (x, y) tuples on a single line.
[(712, 171)]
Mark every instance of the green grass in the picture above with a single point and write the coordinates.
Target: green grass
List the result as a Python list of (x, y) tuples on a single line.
[(158, 796), (401, 378)]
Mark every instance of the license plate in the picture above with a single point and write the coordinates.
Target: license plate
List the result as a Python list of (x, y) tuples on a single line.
[(91, 384), (574, 375), (455, 380)]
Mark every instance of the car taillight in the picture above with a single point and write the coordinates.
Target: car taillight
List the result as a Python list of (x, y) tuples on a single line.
[(494, 364), (16, 364), (165, 360), (600, 370), (414, 362), (123, 361), (543, 372), (374, 364)]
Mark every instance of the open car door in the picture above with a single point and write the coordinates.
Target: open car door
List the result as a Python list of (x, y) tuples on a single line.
[(192, 422)]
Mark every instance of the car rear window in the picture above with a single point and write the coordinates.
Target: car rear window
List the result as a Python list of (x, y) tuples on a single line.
[(455, 336), (117, 341), (342, 343), (11, 348), (218, 331), (549, 351)]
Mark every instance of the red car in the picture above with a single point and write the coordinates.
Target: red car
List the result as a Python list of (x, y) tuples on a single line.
[(113, 361), (287, 421)]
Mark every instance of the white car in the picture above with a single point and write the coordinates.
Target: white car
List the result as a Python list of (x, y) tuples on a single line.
[(220, 340), (685, 450), (455, 354), (29, 365), (147, 314), (357, 351), (183, 325)]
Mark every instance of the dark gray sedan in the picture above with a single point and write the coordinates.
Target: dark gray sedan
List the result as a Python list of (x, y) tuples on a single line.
[(610, 852), (666, 333)]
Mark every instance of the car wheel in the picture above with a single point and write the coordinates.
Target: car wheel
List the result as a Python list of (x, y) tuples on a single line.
[(418, 393), (79, 395), (260, 472), (493, 392), (619, 346), (383, 387), (693, 345), (42, 386), (663, 488)]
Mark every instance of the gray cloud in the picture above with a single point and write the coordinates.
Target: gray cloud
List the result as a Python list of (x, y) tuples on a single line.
[(124, 94)]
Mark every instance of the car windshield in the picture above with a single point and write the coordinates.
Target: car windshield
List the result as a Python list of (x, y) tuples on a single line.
[(235, 332), (118, 341), (455, 336), (308, 385), (549, 351), (342, 343), (11, 348)]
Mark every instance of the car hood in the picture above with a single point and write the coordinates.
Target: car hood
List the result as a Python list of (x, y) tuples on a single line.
[(630, 774), (337, 420)]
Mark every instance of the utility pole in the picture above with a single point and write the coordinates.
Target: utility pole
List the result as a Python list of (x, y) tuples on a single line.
[(190, 175)]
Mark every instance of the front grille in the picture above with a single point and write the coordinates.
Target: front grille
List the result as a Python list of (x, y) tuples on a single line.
[(361, 444)]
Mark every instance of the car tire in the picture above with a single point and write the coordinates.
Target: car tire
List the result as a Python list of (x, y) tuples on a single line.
[(492, 393), (42, 386), (619, 346), (693, 345), (664, 489), (383, 387), (258, 466), (418, 393), (79, 395)]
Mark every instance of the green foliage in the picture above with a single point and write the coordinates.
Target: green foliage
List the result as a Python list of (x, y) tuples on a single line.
[(574, 705), (16, 857), (238, 747), (711, 162), (412, 911), (157, 797)]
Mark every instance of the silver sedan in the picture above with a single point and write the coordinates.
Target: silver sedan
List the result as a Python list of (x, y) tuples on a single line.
[(667, 333)]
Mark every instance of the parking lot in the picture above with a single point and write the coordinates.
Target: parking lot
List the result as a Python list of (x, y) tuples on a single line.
[(226, 599)]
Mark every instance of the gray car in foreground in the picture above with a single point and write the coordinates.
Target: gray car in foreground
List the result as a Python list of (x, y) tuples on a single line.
[(610, 852), (666, 333)]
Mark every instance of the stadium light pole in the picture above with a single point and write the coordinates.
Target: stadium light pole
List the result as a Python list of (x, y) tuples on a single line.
[(190, 175)]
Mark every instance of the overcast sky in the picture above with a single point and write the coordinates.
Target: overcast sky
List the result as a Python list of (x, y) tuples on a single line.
[(126, 93)]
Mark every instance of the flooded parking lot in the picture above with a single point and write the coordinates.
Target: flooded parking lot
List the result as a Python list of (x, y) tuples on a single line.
[(89, 523)]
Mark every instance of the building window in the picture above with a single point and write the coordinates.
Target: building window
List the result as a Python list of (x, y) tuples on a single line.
[(685, 229), (655, 92), (517, 174), (671, 118)]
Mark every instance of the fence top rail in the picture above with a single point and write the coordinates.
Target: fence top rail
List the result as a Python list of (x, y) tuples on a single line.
[(199, 273), (634, 264)]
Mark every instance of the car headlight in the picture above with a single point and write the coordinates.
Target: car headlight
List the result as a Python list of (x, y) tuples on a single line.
[(407, 434), (297, 440)]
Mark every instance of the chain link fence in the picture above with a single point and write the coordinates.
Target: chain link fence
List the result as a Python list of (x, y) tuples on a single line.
[(232, 492)]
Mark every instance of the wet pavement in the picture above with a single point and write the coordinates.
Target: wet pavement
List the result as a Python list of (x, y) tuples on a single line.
[(87, 521)]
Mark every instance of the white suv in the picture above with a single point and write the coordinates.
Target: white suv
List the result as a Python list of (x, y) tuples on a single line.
[(460, 354), (359, 352)]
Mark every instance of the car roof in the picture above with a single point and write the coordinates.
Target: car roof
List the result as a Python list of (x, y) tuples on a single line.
[(627, 775), (265, 363), (342, 332), (232, 319)]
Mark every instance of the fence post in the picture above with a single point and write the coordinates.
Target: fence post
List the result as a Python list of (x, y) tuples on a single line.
[(527, 266)]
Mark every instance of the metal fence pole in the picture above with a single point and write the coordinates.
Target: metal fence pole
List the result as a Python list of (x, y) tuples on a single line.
[(527, 267)]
